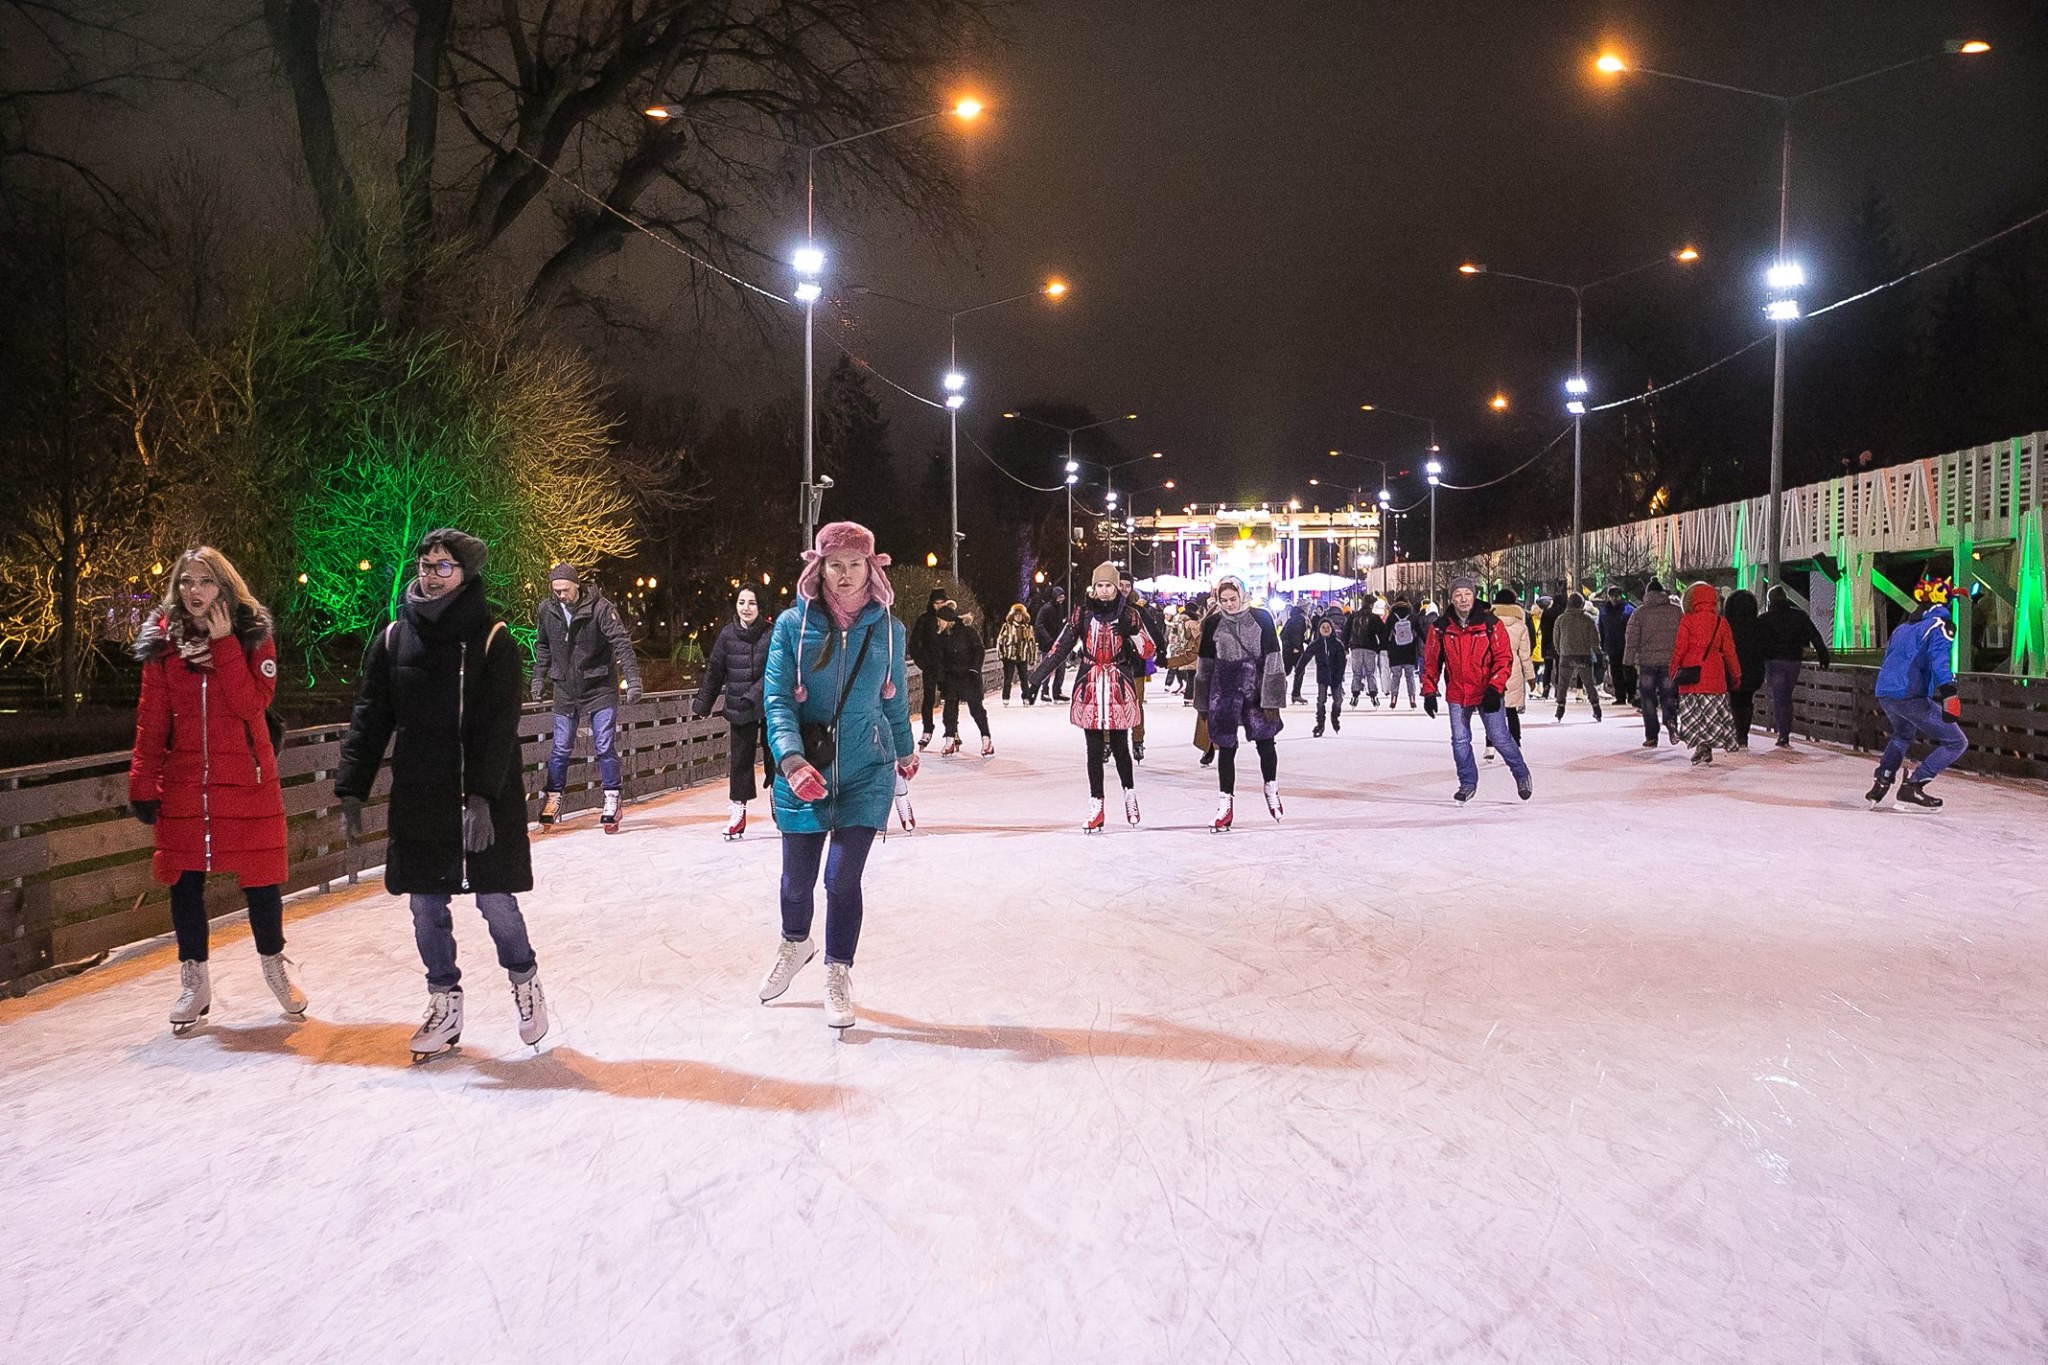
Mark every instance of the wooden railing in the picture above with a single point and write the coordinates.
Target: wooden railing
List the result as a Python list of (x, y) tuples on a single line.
[(75, 875), (2006, 719)]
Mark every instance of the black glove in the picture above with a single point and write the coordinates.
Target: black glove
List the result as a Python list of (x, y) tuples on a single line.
[(351, 819), (1489, 700), (1429, 706), (145, 811), (477, 831)]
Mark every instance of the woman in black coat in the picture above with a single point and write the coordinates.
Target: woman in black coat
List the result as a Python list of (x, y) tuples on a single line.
[(445, 679), (736, 668), (1741, 614), (961, 655)]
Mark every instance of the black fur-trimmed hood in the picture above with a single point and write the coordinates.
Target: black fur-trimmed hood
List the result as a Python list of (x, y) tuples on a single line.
[(153, 641)]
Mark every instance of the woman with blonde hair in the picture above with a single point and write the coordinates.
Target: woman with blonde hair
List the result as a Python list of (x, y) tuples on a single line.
[(204, 770), (1017, 647)]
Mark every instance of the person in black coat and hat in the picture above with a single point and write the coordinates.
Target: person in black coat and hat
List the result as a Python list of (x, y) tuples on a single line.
[(961, 655), (924, 652), (445, 679), (736, 669)]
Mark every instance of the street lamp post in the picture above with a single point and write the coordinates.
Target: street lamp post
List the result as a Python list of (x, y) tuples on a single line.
[(1073, 472), (956, 382), (1435, 471), (1576, 387), (809, 261), (1785, 277)]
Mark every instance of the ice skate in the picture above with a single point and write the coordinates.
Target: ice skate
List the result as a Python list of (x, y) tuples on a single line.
[(1375, 703), (1225, 810), (1880, 788), (950, 747), (532, 1005), (1316, 733), (277, 975), (1489, 753), (924, 740), (905, 816), (1411, 703), (1560, 710), (1095, 818), (1130, 806), (1337, 722), (441, 1030), (195, 997), (988, 747), (790, 957), (1915, 794), (839, 995), (1597, 717), (1273, 806), (1464, 794), (609, 816), (1650, 742), (736, 821), (1525, 789), (550, 807)]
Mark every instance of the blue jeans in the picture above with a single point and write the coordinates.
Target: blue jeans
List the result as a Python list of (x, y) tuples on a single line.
[(433, 929), (1497, 737), (1655, 694), (848, 859), (1781, 676), (602, 739), (1916, 716)]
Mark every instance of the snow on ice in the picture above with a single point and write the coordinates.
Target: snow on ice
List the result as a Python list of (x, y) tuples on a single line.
[(1666, 1065)]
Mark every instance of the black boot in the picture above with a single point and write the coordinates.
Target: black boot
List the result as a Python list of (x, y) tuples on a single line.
[(1879, 788), (1915, 794)]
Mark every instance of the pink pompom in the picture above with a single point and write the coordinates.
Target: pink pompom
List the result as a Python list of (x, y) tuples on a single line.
[(888, 688), (802, 694)]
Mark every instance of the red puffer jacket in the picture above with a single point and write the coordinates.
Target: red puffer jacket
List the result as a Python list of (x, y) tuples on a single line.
[(1704, 641), (1472, 657), (202, 749)]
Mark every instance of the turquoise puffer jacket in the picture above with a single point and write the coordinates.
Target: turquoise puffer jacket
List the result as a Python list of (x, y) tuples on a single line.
[(874, 733)]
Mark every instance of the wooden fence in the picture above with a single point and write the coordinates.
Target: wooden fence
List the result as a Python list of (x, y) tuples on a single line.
[(2005, 718), (75, 874)]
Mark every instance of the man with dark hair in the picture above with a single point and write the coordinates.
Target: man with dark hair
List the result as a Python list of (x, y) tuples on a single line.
[(444, 679), (582, 647), (1786, 632), (1647, 643)]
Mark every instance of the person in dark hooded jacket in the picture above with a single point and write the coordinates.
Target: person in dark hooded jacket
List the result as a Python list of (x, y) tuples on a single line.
[(1294, 634), (1403, 645), (1740, 613), (962, 652), (1574, 645), (735, 670), (924, 652), (1614, 614), (582, 647), (444, 679)]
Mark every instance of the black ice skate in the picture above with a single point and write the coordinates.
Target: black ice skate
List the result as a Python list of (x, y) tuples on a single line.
[(1879, 789), (1915, 794), (609, 817)]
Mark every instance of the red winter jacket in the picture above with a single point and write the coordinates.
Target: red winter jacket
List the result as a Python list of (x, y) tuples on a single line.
[(202, 749), (1705, 641), (1472, 657)]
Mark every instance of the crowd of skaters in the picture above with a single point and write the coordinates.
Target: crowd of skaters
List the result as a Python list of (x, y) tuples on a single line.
[(819, 697)]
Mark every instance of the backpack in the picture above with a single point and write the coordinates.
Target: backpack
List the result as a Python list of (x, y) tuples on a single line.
[(1404, 630)]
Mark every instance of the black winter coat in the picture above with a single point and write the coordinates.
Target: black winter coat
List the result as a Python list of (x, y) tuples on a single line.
[(1786, 632), (1050, 621), (923, 649), (1367, 630), (1331, 654), (448, 688), (584, 655), (1294, 634), (737, 667), (960, 656)]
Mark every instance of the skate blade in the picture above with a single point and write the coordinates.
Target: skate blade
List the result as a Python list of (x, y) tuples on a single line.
[(181, 1030), (422, 1058)]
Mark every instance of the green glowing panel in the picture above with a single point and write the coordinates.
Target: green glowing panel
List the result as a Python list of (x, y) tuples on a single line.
[(2030, 600)]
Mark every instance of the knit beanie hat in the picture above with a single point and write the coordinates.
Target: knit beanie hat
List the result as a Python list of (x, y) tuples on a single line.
[(1105, 572), (937, 596), (564, 573), (1466, 581), (1504, 598)]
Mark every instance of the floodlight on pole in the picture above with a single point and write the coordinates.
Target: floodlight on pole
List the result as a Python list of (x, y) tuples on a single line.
[(1784, 311)]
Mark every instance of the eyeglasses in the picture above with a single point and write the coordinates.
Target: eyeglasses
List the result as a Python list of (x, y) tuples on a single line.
[(439, 568)]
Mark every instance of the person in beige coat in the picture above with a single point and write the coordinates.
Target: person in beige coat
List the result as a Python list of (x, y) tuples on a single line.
[(1522, 675)]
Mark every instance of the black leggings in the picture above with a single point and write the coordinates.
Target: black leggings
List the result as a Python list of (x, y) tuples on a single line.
[(188, 916), (1118, 742), (740, 747), (1226, 765), (1515, 723)]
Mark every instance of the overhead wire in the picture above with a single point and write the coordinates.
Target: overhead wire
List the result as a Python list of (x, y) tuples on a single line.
[(1475, 487)]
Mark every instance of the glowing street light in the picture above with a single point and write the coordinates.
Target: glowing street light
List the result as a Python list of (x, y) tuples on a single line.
[(1499, 402), (1783, 311)]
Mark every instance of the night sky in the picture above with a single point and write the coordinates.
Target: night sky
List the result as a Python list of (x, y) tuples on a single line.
[(1261, 207)]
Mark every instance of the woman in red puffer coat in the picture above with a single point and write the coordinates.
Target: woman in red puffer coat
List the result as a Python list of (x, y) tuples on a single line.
[(204, 773), (1706, 667)]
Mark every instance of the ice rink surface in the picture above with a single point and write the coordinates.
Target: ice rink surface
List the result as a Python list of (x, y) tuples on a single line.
[(1665, 1065)]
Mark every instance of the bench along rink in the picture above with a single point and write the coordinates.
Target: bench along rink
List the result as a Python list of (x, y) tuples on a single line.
[(1665, 1065)]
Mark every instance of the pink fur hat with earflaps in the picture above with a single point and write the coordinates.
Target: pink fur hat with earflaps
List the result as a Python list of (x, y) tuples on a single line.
[(836, 536)]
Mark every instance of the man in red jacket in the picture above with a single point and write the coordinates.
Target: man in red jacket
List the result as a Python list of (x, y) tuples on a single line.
[(1469, 651)]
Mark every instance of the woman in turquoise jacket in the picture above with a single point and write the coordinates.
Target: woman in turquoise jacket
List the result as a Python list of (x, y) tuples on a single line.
[(838, 651)]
